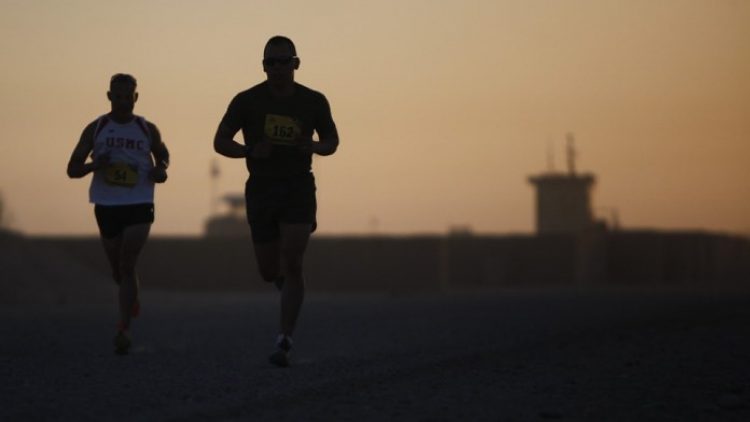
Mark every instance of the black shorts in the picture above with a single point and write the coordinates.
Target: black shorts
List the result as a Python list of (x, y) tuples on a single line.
[(112, 219), (269, 204)]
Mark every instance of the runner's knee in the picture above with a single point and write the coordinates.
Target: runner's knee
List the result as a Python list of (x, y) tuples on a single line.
[(269, 272), (293, 267), (127, 270)]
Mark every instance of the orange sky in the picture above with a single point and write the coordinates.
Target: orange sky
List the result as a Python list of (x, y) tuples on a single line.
[(444, 108)]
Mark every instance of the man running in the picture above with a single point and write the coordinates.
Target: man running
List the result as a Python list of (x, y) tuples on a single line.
[(121, 145), (277, 118)]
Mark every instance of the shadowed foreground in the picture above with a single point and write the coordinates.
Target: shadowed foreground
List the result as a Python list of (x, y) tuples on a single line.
[(528, 355)]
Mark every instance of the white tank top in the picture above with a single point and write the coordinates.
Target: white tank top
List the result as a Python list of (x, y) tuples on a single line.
[(125, 181)]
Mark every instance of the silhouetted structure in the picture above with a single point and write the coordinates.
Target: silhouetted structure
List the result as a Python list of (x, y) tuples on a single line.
[(441, 263), (2, 209), (232, 223), (571, 247), (563, 201)]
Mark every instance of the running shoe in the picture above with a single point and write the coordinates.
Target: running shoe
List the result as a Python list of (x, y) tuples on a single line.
[(283, 351), (122, 342)]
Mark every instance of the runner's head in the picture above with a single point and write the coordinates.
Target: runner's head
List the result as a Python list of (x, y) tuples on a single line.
[(122, 93), (280, 59)]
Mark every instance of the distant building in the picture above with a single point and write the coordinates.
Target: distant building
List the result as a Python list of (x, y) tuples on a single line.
[(563, 203), (563, 200), (233, 223)]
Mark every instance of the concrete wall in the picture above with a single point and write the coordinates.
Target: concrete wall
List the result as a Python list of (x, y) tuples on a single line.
[(677, 258), (442, 263)]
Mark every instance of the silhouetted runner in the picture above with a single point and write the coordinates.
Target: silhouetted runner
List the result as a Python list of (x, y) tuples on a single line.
[(277, 118), (121, 145)]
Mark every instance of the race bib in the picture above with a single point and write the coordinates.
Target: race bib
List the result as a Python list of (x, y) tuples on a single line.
[(121, 174), (281, 129)]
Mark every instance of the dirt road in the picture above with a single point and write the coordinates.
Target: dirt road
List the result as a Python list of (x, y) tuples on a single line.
[(524, 355)]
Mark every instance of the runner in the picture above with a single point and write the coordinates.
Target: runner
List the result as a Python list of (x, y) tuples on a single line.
[(121, 145), (277, 118)]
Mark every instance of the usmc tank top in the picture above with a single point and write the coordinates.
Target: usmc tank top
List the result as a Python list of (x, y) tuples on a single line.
[(125, 179)]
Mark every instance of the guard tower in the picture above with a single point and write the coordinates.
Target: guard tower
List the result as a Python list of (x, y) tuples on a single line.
[(230, 224), (563, 200)]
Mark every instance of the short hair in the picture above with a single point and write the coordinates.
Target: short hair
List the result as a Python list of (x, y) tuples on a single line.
[(122, 78), (280, 39)]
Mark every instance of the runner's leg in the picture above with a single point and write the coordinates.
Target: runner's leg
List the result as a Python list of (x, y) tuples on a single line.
[(133, 239), (293, 243), (112, 249), (267, 256)]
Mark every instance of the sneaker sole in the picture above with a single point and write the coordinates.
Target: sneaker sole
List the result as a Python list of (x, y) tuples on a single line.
[(122, 344), (280, 359)]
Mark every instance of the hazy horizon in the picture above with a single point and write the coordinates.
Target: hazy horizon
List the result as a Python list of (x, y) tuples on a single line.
[(444, 109)]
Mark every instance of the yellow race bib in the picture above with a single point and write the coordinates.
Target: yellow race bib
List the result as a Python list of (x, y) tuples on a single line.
[(282, 130), (121, 174)]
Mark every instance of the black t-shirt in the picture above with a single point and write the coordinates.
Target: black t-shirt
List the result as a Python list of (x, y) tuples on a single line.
[(258, 113)]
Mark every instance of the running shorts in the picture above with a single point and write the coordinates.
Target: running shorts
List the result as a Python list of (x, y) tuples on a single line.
[(112, 219), (270, 203)]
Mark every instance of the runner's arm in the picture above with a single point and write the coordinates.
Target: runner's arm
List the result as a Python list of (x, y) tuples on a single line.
[(158, 147), (161, 155), (77, 165), (328, 135), (327, 144), (225, 145)]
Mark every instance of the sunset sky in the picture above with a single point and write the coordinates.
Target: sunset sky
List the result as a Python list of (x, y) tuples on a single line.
[(444, 108)]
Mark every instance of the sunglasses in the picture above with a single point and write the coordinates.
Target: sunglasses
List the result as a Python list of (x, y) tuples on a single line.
[(270, 61)]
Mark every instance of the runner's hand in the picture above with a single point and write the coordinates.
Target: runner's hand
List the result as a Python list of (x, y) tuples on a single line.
[(158, 174), (100, 161), (261, 149)]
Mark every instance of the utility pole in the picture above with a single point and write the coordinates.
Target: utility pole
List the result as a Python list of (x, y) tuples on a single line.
[(215, 173), (571, 154)]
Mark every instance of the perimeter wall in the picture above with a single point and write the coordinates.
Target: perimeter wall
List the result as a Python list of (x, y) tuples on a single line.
[(442, 263)]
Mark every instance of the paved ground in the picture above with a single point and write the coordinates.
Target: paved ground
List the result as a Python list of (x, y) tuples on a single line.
[(526, 355)]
